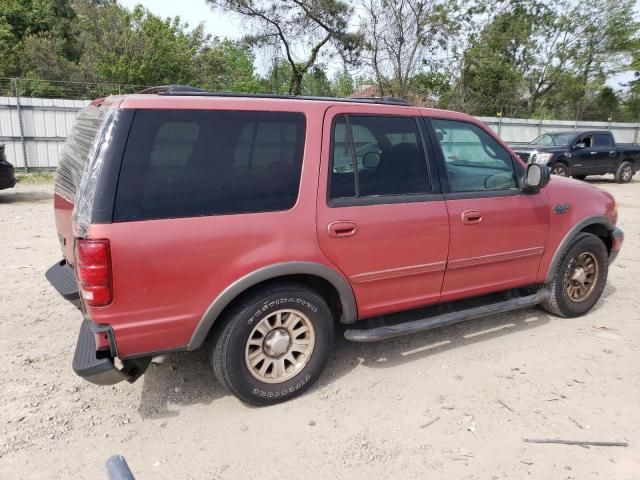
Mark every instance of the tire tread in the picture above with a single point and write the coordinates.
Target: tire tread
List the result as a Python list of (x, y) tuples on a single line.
[(220, 343)]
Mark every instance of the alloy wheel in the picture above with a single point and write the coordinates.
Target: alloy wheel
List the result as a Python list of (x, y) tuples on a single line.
[(581, 276), (280, 346)]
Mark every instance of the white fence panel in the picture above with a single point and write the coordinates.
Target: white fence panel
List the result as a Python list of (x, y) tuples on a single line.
[(46, 122), (523, 130)]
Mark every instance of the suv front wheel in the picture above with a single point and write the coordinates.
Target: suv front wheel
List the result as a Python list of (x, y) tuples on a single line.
[(275, 344), (580, 278)]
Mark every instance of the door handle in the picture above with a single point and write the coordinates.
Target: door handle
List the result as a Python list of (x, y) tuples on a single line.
[(470, 217), (594, 153), (343, 228)]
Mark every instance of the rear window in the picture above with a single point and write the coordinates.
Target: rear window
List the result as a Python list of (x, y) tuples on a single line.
[(76, 151), (187, 163), (602, 140)]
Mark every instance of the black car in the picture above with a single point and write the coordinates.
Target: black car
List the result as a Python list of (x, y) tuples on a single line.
[(581, 153), (7, 172)]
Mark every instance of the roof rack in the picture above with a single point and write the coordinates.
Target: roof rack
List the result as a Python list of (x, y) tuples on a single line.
[(185, 90), (172, 90)]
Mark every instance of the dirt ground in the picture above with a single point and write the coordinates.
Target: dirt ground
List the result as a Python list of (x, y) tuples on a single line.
[(453, 403)]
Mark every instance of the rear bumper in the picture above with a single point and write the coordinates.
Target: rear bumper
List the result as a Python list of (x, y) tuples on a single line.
[(63, 279), (87, 365), (617, 239), (101, 369)]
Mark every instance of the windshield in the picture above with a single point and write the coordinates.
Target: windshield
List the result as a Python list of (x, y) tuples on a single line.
[(553, 139)]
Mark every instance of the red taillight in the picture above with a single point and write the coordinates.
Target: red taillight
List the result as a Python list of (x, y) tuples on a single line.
[(93, 264)]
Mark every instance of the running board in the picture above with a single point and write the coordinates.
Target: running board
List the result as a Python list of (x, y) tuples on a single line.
[(385, 332)]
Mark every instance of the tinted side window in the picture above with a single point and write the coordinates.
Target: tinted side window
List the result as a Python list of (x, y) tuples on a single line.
[(601, 140), (475, 161), (185, 163), (377, 156)]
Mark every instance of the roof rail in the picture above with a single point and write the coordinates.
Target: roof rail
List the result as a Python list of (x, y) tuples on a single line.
[(185, 90), (384, 99), (172, 90)]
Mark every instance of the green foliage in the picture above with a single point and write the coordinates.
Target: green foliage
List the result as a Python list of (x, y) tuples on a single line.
[(526, 58), (539, 58), (343, 84), (102, 42)]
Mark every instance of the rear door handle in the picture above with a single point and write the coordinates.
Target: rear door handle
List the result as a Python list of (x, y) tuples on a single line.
[(594, 153), (342, 228), (470, 217)]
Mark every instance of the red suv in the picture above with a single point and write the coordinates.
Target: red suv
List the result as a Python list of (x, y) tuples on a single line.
[(254, 224)]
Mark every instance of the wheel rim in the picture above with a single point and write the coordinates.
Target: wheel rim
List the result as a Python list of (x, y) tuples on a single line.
[(627, 172), (581, 276), (279, 346), (560, 171)]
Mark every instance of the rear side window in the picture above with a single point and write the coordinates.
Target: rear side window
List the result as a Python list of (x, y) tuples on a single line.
[(601, 140), (376, 156), (77, 150), (187, 163)]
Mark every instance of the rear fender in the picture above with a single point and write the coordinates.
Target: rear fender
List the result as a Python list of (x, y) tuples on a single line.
[(347, 299)]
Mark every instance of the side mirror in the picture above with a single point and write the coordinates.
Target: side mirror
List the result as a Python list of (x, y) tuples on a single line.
[(371, 160), (579, 146), (536, 177)]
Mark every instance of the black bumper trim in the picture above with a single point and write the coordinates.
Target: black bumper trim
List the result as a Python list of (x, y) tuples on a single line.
[(100, 371), (63, 279), (615, 234)]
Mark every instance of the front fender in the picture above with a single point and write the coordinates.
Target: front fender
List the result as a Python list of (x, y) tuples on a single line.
[(570, 235)]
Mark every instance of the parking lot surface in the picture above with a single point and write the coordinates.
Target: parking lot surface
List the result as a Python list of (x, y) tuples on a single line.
[(450, 403)]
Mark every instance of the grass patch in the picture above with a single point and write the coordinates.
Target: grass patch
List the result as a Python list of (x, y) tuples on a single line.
[(35, 178)]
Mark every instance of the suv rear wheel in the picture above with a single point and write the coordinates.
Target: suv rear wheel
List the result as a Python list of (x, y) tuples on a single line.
[(580, 278), (275, 344)]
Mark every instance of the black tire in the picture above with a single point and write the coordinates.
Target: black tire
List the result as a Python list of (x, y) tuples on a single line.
[(560, 302), (579, 177), (560, 169), (625, 172), (229, 347)]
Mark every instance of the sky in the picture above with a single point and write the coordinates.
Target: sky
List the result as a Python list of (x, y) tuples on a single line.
[(193, 12)]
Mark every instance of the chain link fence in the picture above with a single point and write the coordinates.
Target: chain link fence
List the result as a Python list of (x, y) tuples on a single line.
[(26, 87)]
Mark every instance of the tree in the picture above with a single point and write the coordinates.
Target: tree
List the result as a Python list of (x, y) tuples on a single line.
[(225, 66), (297, 26), (600, 42), (500, 57), (404, 37), (343, 84), (21, 19)]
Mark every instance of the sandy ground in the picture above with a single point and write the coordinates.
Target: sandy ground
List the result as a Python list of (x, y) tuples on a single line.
[(448, 404)]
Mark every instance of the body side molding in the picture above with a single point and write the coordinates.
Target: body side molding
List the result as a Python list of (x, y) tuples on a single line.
[(347, 298), (585, 222)]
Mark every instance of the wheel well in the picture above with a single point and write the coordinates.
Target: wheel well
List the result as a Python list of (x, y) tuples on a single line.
[(601, 231), (321, 286)]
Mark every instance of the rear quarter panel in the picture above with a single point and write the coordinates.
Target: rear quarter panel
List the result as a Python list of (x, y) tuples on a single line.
[(167, 272)]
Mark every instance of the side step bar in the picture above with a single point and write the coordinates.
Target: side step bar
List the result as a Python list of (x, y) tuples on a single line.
[(385, 332)]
